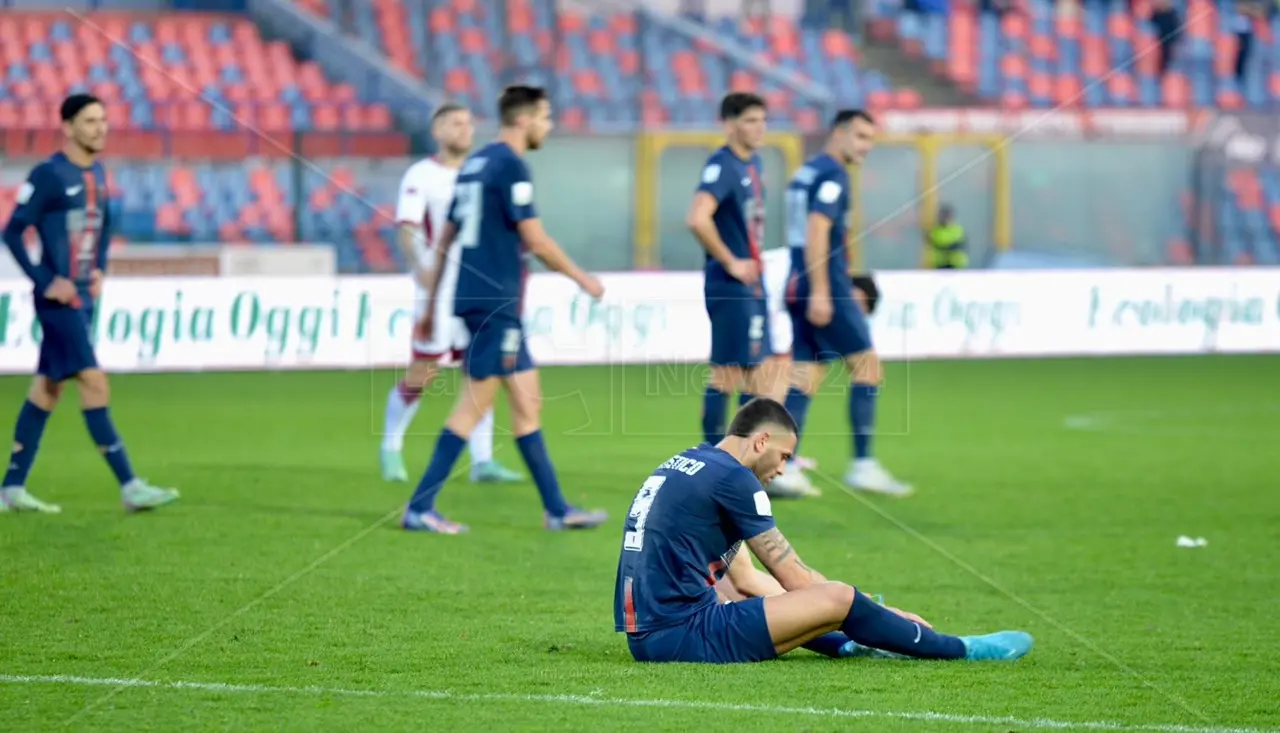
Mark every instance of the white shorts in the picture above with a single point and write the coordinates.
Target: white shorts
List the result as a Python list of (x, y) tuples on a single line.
[(450, 338)]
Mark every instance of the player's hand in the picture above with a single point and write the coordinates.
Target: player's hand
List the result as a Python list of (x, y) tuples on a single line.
[(746, 271), (592, 286), (61, 290), (95, 284), (425, 328), (819, 310), (910, 617)]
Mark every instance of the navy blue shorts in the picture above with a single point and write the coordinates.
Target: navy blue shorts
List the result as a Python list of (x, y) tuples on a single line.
[(847, 334), (65, 345), (739, 331), (725, 633), (497, 347)]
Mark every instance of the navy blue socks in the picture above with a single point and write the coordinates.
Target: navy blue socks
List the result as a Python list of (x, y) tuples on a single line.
[(26, 441), (873, 625), (862, 418), (98, 420), (798, 405), (714, 403), (448, 447), (536, 458)]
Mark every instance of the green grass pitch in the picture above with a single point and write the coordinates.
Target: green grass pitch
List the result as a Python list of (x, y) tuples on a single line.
[(1049, 496)]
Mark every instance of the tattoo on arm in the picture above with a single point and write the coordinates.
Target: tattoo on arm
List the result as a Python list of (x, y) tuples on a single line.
[(773, 547)]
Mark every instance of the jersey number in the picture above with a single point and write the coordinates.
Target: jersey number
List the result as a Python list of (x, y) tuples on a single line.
[(797, 218), (633, 541), (468, 207)]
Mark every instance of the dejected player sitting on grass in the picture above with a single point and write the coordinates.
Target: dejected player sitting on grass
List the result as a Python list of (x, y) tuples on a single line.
[(684, 530)]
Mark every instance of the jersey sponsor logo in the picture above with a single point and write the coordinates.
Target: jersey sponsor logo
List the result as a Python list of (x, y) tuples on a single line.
[(829, 191), (711, 173), (763, 507), (522, 193)]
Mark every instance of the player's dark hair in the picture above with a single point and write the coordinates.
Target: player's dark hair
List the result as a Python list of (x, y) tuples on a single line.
[(845, 116), (737, 104), (760, 412), (75, 104), (867, 284), (445, 110), (517, 100)]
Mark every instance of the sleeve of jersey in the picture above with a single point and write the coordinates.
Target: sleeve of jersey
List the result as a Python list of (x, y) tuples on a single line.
[(517, 193), (32, 198), (742, 497), (715, 180), (411, 202), (826, 194)]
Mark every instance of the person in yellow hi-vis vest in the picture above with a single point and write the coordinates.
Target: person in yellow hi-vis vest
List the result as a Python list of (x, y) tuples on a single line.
[(946, 242)]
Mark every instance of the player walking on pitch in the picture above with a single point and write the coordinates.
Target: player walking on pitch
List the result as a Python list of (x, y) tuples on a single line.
[(686, 527), (827, 320), (727, 218), (421, 210), (65, 199), (491, 222)]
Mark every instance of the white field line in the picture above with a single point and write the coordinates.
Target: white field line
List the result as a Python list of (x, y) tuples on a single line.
[(585, 700)]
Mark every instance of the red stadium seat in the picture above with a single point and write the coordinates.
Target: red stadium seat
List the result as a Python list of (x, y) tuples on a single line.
[(472, 40), (1119, 25), (743, 80), (1043, 47), (1174, 90), (379, 117), (1230, 99), (1040, 85), (441, 20), (907, 98)]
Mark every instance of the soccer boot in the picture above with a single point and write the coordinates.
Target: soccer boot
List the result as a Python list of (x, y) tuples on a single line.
[(868, 475), (140, 496), (16, 499), (430, 522), (792, 484), (1002, 646), (492, 472), (576, 519), (393, 466)]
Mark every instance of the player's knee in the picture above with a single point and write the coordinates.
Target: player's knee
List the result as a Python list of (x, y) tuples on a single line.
[(45, 393), (837, 600), (94, 388), (420, 373), (866, 368), (727, 379)]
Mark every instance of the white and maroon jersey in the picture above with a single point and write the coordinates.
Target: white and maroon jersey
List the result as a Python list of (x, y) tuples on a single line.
[(425, 194)]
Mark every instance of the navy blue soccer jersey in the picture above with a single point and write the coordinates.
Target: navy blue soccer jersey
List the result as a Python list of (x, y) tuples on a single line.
[(684, 527), (494, 194), (820, 186), (738, 188), (68, 206)]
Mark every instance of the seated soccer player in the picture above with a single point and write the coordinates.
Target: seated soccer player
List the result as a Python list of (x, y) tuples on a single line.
[(686, 527)]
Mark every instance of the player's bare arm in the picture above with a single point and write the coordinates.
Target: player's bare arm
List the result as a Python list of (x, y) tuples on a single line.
[(545, 249), (780, 558), (750, 581), (702, 223), (407, 236), (426, 327), (817, 252)]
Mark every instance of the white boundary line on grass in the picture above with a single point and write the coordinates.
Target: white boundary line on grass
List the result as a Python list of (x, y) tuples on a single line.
[(782, 710)]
